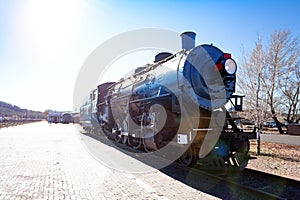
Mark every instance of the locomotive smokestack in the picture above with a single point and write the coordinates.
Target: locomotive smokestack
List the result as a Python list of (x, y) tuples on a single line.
[(188, 40)]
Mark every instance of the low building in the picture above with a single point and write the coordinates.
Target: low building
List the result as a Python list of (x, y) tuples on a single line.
[(54, 117)]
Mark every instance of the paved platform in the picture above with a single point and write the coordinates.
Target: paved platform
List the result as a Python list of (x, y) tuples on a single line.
[(42, 161), (283, 139)]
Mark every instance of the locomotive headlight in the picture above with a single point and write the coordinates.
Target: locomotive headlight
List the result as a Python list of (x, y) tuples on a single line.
[(230, 66)]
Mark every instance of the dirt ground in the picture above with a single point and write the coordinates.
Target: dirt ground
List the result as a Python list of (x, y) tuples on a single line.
[(279, 159)]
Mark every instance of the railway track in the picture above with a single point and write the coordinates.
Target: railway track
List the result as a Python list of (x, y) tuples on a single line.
[(248, 184), (269, 183), (234, 184)]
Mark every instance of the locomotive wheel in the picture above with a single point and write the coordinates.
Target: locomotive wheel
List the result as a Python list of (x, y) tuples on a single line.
[(146, 148), (188, 158), (217, 163), (124, 139), (240, 160), (241, 157), (106, 133), (158, 116), (159, 140), (117, 137), (116, 131), (135, 142)]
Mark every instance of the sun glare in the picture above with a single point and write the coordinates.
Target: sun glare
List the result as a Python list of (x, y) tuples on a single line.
[(48, 26)]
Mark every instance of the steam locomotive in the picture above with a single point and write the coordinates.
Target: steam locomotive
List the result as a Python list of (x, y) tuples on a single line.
[(175, 107)]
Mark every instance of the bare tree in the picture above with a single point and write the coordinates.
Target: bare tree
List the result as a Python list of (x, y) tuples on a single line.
[(281, 54), (290, 88), (271, 76), (249, 82)]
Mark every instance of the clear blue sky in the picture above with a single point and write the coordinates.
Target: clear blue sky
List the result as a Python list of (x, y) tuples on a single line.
[(43, 44)]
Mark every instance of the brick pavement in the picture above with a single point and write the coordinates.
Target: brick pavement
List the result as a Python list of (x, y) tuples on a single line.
[(42, 161)]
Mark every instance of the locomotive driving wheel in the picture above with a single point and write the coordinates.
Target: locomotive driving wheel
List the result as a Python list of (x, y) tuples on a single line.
[(241, 157), (154, 130), (116, 131), (124, 139), (188, 158), (241, 160), (124, 136), (134, 140)]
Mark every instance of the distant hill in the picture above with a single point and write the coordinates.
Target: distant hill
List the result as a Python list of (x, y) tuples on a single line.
[(11, 111)]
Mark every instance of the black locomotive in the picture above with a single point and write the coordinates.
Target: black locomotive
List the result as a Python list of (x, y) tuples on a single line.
[(175, 106)]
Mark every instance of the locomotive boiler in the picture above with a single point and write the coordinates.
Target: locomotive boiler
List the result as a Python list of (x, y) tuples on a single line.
[(175, 107)]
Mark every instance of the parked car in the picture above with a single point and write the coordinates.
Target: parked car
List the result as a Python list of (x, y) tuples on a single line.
[(271, 124)]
